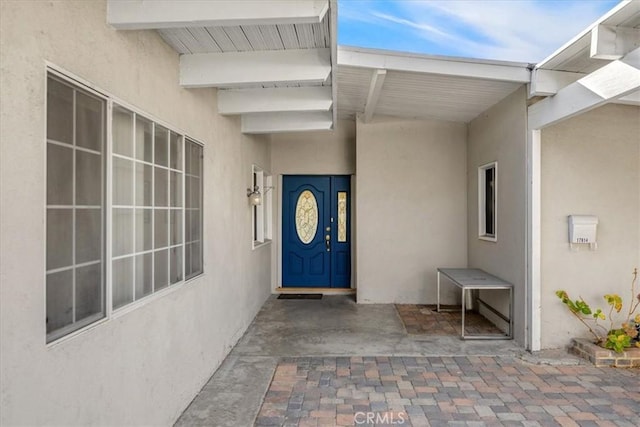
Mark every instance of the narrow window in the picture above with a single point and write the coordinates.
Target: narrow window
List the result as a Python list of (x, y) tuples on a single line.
[(487, 201), (75, 286), (193, 209), (262, 213)]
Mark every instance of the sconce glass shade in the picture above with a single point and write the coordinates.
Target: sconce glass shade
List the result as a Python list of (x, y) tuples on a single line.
[(255, 198)]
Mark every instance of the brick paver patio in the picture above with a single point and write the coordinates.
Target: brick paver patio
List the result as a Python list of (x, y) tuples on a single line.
[(452, 391)]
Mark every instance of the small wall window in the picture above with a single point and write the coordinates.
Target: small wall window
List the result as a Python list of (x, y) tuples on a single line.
[(488, 201), (262, 213)]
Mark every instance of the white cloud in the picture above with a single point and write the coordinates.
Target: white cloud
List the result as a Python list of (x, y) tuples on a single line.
[(517, 30)]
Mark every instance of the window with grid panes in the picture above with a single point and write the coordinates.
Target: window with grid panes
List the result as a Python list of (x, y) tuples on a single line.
[(154, 215), (75, 286)]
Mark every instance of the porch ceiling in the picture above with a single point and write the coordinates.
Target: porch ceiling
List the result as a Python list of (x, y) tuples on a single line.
[(252, 51), (421, 86)]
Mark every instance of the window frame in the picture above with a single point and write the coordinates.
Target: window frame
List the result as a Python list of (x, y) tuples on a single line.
[(482, 202), (70, 79), (262, 214)]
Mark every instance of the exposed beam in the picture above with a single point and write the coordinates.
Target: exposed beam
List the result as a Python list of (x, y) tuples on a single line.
[(375, 88), (633, 99), (480, 69), (244, 101), (157, 14), (613, 43), (333, 34), (286, 122), (260, 67), (549, 82), (615, 80)]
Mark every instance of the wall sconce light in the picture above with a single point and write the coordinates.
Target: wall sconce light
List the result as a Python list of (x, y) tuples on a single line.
[(254, 195)]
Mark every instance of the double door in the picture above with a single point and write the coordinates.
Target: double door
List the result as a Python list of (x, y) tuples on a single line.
[(316, 231)]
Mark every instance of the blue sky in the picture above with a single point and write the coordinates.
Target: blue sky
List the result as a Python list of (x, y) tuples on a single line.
[(511, 30)]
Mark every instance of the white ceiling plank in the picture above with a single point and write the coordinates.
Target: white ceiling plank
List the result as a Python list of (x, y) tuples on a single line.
[(615, 80), (613, 43), (549, 82), (480, 69), (245, 101), (286, 122), (375, 88), (240, 68), (157, 14)]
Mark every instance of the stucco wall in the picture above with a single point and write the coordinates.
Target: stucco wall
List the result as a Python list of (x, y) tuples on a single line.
[(315, 153), (145, 366), (310, 153), (590, 165), (499, 134), (411, 202)]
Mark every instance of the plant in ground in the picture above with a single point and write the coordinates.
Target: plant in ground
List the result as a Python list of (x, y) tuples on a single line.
[(616, 339)]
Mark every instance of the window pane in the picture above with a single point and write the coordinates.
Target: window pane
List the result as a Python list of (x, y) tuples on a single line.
[(144, 270), (144, 230), (89, 121), (195, 225), (176, 265), (59, 111), (161, 187), (187, 261), (122, 282), (144, 184), (88, 235), (196, 258), (88, 291), (175, 147), (122, 182), (176, 227), (160, 265), (144, 142), (122, 231), (187, 226), (88, 179), (59, 300), (161, 146), (161, 226), (59, 175), (59, 238), (176, 189), (193, 157), (122, 131)]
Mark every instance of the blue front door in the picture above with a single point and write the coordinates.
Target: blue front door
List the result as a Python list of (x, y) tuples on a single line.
[(316, 241)]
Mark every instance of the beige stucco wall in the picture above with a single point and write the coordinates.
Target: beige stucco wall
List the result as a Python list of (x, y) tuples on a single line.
[(310, 153), (144, 367), (590, 165), (315, 153), (499, 134), (411, 208)]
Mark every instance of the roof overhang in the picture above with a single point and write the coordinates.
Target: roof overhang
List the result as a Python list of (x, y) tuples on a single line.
[(422, 86), (252, 51), (600, 65)]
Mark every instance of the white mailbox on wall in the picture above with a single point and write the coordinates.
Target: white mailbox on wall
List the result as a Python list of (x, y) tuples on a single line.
[(582, 230)]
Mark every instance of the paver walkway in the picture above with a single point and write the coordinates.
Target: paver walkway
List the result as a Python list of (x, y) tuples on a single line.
[(441, 391), (301, 363)]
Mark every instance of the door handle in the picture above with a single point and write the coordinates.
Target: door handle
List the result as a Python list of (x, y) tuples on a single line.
[(327, 241)]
